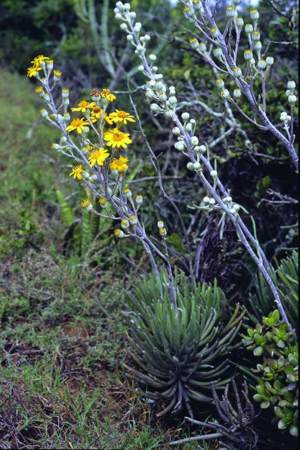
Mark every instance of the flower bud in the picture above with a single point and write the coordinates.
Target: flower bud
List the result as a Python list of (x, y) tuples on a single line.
[(225, 93), (190, 165), (160, 224), (152, 57), (139, 199), (179, 146), (124, 224), (163, 232), (185, 116), (213, 173), (258, 45), (237, 71), (270, 60), (119, 233), (237, 93), (217, 52), (219, 83), (44, 113), (195, 140), (154, 107), (292, 99), (261, 64), (254, 14), (240, 22), (256, 35), (249, 28), (291, 85), (248, 55), (133, 220)]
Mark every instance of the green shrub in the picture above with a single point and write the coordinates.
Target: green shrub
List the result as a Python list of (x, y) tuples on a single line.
[(277, 371), (182, 352), (286, 280)]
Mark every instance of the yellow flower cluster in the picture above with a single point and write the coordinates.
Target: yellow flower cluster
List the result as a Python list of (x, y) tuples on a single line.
[(36, 65), (95, 115), (90, 119)]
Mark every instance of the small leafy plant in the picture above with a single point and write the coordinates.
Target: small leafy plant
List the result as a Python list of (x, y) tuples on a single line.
[(277, 371), (181, 352), (285, 277)]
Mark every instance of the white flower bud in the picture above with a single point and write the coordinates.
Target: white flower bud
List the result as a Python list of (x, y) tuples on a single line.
[(160, 224), (185, 116), (189, 127), (254, 14), (291, 85), (206, 200), (190, 165), (249, 28), (173, 100), (219, 83), (154, 107), (217, 52), (202, 47), (213, 173), (240, 22), (237, 93), (248, 55), (237, 71), (172, 90), (292, 99), (44, 113), (137, 27), (197, 165), (176, 131), (139, 199), (202, 148), (261, 64), (225, 93), (124, 26), (129, 37), (270, 60), (212, 201), (147, 37), (258, 45), (231, 11), (284, 117), (256, 35), (179, 146), (152, 57), (118, 16), (195, 140)]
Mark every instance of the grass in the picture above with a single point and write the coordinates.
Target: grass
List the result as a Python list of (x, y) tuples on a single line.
[(62, 336)]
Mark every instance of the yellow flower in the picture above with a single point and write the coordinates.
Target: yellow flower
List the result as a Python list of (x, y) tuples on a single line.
[(98, 157), (86, 203), (116, 138), (83, 106), (107, 94), (121, 117), (39, 90), (97, 113), (57, 73), (102, 201), (33, 71), (38, 60), (80, 125), (77, 172), (120, 164)]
